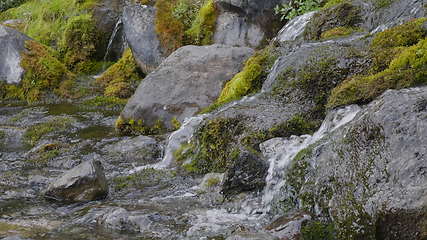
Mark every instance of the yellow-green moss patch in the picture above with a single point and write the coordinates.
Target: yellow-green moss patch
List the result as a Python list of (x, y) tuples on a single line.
[(250, 79), (132, 127), (77, 44), (339, 32), (121, 79), (183, 22), (43, 73), (408, 69), (34, 133), (388, 44)]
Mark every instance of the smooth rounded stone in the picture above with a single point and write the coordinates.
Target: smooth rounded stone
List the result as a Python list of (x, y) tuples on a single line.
[(85, 182), (234, 30), (12, 44), (247, 173), (189, 80), (139, 28), (246, 23)]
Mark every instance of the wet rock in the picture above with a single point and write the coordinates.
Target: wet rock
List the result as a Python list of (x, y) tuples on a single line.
[(288, 227), (294, 29), (120, 219), (211, 180), (141, 150), (85, 182), (377, 19), (247, 173), (186, 82), (106, 15), (371, 166), (13, 44), (251, 236), (138, 23), (246, 23)]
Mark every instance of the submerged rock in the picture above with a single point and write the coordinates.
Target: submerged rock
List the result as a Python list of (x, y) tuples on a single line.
[(85, 182), (12, 43), (186, 82), (139, 27), (247, 174)]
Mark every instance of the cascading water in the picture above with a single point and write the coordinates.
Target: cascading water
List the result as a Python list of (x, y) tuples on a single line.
[(281, 151), (294, 28), (112, 38)]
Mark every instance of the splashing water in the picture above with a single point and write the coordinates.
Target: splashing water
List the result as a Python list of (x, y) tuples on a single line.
[(281, 151), (295, 28)]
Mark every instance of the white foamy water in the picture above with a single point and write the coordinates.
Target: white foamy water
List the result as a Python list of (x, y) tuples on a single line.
[(281, 151), (295, 28)]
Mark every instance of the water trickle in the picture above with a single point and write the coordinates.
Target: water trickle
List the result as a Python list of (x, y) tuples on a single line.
[(294, 29), (281, 151), (112, 37)]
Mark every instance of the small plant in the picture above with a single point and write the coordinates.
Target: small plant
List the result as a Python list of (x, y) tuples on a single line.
[(296, 8)]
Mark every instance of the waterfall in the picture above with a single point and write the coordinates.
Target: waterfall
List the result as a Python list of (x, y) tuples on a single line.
[(294, 28), (112, 37), (281, 151), (184, 135)]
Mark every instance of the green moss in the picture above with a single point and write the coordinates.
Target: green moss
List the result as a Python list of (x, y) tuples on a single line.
[(45, 154), (176, 124), (132, 127), (317, 230), (182, 22), (341, 16), (298, 170), (339, 32), (77, 44), (214, 148), (250, 79), (121, 79), (212, 182), (203, 27), (45, 20), (382, 3), (34, 133), (332, 3), (315, 80), (43, 73), (388, 44), (408, 69)]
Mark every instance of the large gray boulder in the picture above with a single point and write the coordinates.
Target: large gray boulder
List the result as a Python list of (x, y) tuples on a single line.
[(85, 182), (186, 82), (246, 23), (12, 45), (369, 175), (138, 22)]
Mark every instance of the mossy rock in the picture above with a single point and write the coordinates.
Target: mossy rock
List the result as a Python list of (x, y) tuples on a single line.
[(121, 79), (344, 15), (44, 75), (214, 148), (78, 43), (406, 66), (184, 22)]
